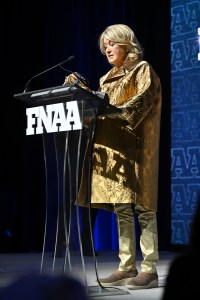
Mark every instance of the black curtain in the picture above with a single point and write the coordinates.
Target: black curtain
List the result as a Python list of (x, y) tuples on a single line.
[(34, 37)]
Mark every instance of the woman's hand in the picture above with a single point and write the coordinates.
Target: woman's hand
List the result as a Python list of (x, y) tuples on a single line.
[(71, 79)]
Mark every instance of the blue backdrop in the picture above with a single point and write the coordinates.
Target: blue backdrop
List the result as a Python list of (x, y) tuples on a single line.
[(185, 117)]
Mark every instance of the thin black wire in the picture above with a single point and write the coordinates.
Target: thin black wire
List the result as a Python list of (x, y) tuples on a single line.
[(91, 141), (46, 214)]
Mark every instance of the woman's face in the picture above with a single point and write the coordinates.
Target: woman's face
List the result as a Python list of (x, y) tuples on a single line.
[(116, 54)]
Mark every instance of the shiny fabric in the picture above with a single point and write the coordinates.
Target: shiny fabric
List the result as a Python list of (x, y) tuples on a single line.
[(126, 145), (127, 243)]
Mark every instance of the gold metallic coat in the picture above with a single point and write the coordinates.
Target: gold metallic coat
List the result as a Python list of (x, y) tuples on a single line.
[(126, 146)]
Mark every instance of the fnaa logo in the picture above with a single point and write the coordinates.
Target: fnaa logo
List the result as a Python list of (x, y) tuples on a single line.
[(53, 118)]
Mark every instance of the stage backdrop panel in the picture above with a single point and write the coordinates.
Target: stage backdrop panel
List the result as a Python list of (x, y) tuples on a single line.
[(185, 117)]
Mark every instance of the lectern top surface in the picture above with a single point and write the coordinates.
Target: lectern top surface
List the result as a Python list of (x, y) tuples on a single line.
[(55, 94), (66, 93)]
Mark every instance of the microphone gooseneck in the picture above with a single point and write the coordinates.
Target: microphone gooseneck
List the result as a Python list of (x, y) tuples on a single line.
[(26, 88)]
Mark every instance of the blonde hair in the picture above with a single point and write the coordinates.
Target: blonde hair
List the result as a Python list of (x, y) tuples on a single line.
[(122, 35)]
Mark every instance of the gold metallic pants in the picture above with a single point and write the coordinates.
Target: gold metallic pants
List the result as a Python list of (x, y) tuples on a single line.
[(127, 241)]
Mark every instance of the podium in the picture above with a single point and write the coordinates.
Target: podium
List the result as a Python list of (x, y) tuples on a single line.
[(58, 114)]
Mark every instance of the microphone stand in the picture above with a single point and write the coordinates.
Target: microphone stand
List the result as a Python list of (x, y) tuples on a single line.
[(57, 65)]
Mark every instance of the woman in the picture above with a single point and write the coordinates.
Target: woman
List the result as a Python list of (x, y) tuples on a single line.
[(125, 156)]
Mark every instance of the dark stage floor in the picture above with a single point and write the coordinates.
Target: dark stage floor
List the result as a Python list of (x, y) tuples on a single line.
[(13, 266)]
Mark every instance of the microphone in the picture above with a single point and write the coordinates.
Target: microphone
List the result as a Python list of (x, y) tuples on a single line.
[(79, 77), (83, 79), (26, 88)]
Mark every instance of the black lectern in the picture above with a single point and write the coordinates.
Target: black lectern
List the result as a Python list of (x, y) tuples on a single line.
[(58, 114)]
